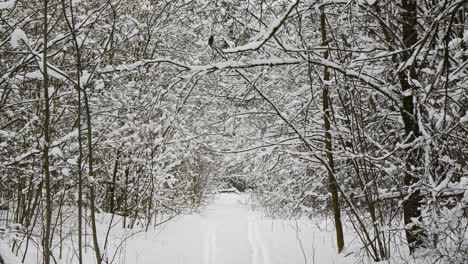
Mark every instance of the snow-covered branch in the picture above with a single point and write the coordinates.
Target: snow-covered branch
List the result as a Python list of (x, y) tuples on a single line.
[(270, 32)]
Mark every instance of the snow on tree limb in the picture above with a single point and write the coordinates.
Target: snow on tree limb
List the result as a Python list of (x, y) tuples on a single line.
[(207, 67), (270, 32), (242, 65), (35, 151), (7, 5), (371, 81), (231, 64), (132, 66), (17, 36)]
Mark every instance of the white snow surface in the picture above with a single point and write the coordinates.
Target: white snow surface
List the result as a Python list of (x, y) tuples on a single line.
[(229, 230), (6, 255), (17, 35)]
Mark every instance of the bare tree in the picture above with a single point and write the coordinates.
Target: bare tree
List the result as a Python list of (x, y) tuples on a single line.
[(328, 140), (47, 238)]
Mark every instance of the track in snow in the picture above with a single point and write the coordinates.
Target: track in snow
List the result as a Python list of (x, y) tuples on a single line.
[(228, 231)]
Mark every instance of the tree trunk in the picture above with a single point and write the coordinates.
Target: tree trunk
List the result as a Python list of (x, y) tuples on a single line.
[(80, 181), (411, 206), (71, 24), (328, 144), (92, 197), (46, 241), (112, 197)]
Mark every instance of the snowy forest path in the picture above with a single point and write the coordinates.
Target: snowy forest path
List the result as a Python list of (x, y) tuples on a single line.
[(227, 238), (231, 231)]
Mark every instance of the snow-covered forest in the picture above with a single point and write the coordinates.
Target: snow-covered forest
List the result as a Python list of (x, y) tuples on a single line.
[(118, 117)]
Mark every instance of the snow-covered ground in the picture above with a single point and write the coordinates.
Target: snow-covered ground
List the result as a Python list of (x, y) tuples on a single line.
[(229, 230)]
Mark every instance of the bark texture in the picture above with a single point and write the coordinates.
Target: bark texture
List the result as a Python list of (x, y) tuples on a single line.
[(328, 144), (411, 206)]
